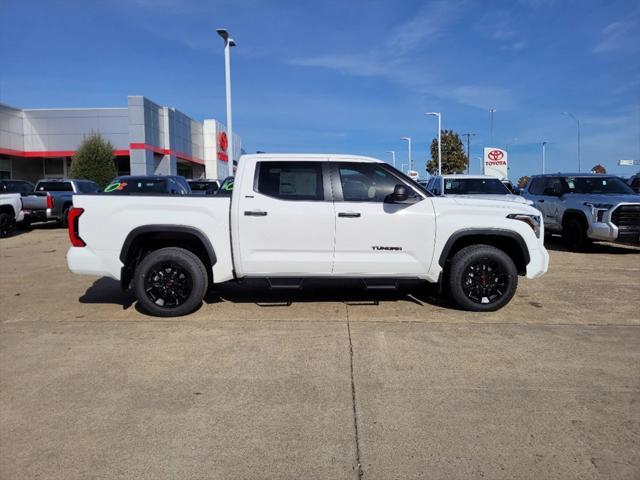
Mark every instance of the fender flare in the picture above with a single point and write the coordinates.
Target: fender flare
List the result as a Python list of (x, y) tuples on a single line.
[(575, 211), (495, 232), (160, 228)]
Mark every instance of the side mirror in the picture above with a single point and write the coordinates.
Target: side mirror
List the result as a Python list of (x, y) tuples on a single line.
[(400, 193), (516, 191)]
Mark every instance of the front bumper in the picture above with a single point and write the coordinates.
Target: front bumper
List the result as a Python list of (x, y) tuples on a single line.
[(538, 263), (608, 231)]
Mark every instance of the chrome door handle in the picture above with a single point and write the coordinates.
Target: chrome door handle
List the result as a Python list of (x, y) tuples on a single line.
[(348, 214), (254, 213)]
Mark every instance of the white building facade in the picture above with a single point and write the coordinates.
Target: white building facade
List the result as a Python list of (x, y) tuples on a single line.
[(148, 139)]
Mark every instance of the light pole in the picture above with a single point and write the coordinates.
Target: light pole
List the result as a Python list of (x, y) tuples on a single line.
[(402, 169), (408, 139), (491, 112), (393, 157), (228, 43), (544, 155), (468, 135), (569, 114), (439, 115)]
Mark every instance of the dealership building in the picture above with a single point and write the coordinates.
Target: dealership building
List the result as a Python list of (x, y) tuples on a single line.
[(148, 139)]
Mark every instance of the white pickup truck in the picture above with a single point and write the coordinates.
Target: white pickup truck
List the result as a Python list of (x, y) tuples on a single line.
[(10, 213), (294, 217)]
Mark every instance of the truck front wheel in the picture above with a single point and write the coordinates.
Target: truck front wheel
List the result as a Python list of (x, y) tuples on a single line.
[(482, 278), (170, 282)]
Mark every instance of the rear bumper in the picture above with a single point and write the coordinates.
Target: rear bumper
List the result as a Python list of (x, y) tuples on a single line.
[(39, 215), (84, 261), (538, 263)]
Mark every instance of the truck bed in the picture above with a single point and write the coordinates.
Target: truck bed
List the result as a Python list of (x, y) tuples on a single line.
[(108, 219)]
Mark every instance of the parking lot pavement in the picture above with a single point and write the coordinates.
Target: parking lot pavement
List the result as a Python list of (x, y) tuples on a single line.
[(548, 387)]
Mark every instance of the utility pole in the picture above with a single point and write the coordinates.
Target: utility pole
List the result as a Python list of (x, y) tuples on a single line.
[(491, 112), (408, 139), (468, 135), (228, 43), (575, 119), (393, 157), (544, 155)]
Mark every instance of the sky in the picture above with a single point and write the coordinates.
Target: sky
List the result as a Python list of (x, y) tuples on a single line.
[(350, 76)]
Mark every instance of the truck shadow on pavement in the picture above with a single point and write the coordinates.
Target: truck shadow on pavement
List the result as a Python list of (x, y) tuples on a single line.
[(107, 290), (353, 293), (557, 244)]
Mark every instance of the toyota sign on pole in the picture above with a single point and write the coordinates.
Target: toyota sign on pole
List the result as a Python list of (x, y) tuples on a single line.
[(495, 162)]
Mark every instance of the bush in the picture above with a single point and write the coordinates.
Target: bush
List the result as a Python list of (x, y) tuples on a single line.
[(94, 160)]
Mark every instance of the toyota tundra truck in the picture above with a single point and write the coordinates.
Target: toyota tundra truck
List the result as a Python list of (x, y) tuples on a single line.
[(292, 218), (587, 207)]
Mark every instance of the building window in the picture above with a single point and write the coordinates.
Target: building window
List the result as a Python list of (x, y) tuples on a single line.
[(5, 168)]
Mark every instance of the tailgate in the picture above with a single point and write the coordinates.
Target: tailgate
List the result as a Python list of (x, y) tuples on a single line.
[(36, 201)]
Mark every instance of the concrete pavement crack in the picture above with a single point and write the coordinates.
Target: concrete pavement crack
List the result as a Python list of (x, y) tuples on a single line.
[(353, 399)]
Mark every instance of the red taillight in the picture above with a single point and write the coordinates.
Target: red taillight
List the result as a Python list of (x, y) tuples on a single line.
[(72, 223), (49, 201)]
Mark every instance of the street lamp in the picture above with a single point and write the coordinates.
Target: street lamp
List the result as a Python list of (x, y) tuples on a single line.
[(491, 112), (228, 43), (569, 114), (439, 115), (402, 167), (544, 155), (408, 139), (393, 156)]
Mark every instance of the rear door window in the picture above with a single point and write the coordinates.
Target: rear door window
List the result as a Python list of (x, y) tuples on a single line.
[(291, 180)]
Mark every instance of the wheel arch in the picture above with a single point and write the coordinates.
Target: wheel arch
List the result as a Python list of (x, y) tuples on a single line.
[(8, 209), (147, 238), (506, 240), (575, 213)]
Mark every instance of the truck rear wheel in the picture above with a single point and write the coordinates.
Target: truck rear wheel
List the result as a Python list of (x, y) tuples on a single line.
[(482, 278), (170, 282), (7, 224)]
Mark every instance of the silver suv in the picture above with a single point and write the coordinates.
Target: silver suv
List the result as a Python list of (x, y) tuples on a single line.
[(586, 207)]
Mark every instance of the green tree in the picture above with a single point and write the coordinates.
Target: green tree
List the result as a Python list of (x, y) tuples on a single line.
[(454, 159), (523, 181), (598, 169), (94, 160)]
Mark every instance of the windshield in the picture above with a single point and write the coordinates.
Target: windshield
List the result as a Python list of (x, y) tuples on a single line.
[(597, 185), (474, 186), (54, 187), (226, 189), (196, 186), (137, 185)]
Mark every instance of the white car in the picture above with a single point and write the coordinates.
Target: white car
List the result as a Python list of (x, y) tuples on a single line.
[(295, 217), (477, 186), (10, 213)]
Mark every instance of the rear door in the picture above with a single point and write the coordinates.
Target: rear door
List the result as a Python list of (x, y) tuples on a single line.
[(375, 237), (286, 220)]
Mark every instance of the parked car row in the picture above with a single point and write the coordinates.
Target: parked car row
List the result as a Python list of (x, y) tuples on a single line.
[(51, 199)]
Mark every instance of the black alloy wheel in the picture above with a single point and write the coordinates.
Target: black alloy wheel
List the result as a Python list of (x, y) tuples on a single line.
[(170, 282), (482, 278), (484, 281)]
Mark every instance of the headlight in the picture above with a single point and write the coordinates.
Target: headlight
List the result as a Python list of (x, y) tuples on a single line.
[(598, 209), (532, 220)]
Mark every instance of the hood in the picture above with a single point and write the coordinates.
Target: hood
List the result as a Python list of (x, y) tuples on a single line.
[(498, 203), (595, 198), (508, 198)]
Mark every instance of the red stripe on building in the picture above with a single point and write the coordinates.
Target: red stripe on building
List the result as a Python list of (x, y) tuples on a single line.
[(166, 151), (52, 153)]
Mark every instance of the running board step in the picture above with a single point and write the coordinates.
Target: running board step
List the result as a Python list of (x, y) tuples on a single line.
[(285, 283), (378, 285)]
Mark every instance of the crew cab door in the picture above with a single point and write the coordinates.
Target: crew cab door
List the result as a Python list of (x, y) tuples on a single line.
[(286, 222), (545, 193), (375, 237)]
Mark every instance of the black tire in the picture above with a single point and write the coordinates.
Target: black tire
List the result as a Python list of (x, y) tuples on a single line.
[(64, 221), (170, 282), (575, 235), (482, 278), (7, 225)]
